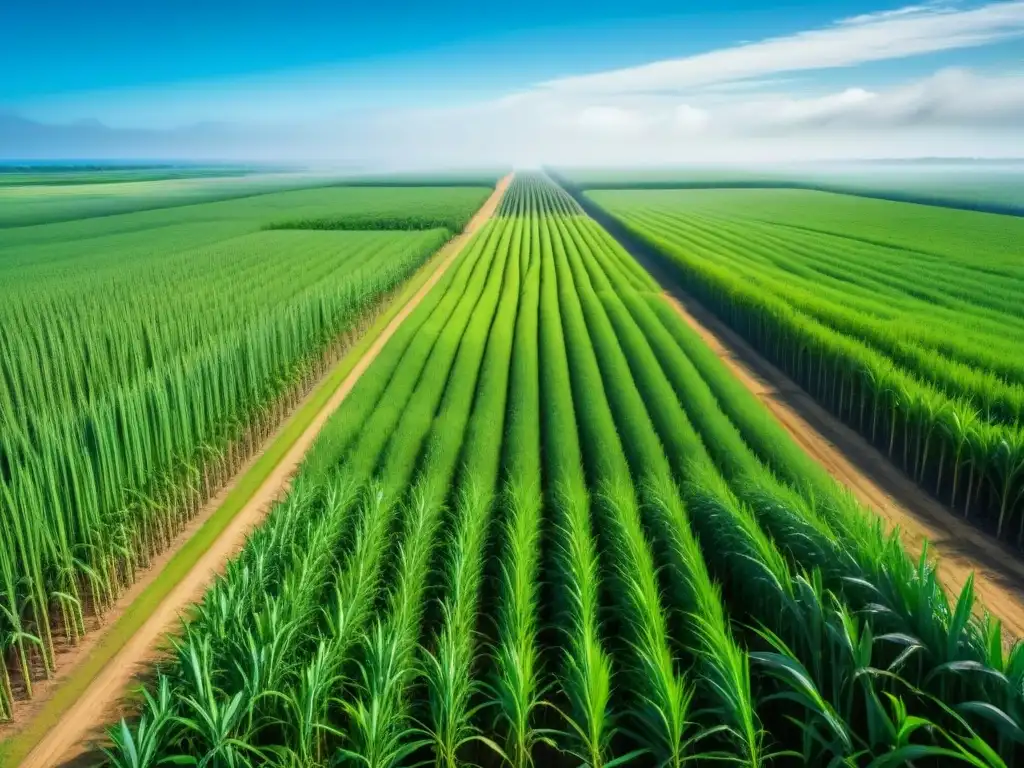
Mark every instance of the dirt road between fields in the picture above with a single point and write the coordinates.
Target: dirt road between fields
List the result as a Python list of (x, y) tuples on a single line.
[(101, 704), (876, 482)]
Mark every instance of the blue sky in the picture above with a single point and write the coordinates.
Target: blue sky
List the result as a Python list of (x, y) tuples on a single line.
[(103, 45), (595, 74)]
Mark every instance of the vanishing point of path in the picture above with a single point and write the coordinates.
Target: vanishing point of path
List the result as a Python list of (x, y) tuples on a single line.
[(87, 718), (958, 547)]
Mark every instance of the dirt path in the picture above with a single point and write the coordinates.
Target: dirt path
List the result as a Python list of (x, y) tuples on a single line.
[(102, 701)]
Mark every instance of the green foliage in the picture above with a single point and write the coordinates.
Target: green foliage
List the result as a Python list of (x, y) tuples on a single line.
[(547, 528), (904, 322), (139, 370), (445, 208), (95, 201), (530, 195), (969, 185)]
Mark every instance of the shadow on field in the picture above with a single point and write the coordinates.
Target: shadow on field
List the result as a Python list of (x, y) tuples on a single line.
[(89, 754), (894, 494)]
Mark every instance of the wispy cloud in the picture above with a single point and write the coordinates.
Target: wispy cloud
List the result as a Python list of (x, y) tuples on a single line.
[(895, 13), (949, 99), (953, 112), (909, 31), (754, 101)]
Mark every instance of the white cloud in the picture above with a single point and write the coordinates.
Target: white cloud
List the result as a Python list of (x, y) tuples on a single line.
[(909, 10), (895, 34), (951, 98), (612, 121), (691, 119), (734, 104), (795, 112), (953, 112)]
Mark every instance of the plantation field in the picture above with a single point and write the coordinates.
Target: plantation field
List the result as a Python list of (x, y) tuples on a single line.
[(482, 177), (23, 205), (905, 321), (984, 241), (65, 195), (143, 358), (549, 527), (171, 229), (970, 185), (69, 175)]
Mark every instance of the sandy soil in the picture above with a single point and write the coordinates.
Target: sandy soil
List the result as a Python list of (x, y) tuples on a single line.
[(103, 700)]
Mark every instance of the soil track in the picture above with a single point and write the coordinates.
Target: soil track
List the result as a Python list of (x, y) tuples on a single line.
[(103, 701), (876, 482)]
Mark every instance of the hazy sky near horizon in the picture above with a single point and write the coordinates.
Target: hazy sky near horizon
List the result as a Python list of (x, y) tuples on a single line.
[(411, 83)]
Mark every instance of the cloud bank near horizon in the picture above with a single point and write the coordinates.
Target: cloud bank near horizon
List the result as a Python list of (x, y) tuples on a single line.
[(761, 101)]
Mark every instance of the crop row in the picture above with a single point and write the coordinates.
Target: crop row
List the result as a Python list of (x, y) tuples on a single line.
[(128, 396), (530, 194), (548, 527), (444, 209), (929, 369)]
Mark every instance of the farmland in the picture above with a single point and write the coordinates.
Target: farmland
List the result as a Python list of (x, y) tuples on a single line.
[(143, 359), (548, 526), (45, 198), (902, 320), (12, 174), (973, 185), (27, 199)]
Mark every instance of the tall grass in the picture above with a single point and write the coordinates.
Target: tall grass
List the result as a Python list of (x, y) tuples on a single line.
[(127, 400), (519, 682), (381, 731), (651, 406), (585, 678), (659, 704), (451, 659), (929, 372), (552, 530)]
